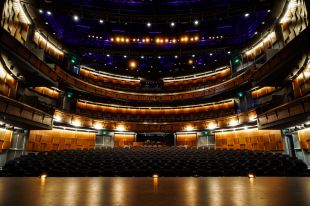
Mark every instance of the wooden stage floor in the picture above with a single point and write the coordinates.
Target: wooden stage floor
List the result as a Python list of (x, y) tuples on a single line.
[(119, 191)]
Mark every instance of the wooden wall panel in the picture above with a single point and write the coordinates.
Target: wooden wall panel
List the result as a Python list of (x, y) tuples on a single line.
[(46, 92), (5, 139), (262, 92), (253, 139), (8, 85), (301, 84), (121, 140), (14, 20), (186, 140), (56, 139), (304, 139), (296, 21)]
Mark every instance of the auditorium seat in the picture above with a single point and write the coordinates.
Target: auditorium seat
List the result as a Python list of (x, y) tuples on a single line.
[(146, 161)]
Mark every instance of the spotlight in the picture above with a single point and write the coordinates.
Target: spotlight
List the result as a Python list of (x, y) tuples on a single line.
[(176, 57), (125, 56), (76, 123), (196, 22), (190, 61), (108, 55), (101, 21), (172, 24), (76, 18), (40, 11), (148, 24), (251, 175), (211, 54), (43, 176), (49, 13), (246, 15), (159, 57), (57, 118), (229, 52)]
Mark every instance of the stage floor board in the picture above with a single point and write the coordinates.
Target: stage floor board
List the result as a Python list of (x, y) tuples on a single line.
[(119, 191)]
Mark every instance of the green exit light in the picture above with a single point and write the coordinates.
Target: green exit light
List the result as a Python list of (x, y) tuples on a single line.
[(69, 94)]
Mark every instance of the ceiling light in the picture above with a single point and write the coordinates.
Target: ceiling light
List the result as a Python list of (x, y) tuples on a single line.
[(40, 11), (142, 57), (108, 55), (268, 10), (159, 57), (190, 61), (75, 17), (256, 33), (101, 21), (132, 64), (229, 52), (211, 54), (46, 23), (176, 57), (172, 24), (148, 24), (246, 14), (196, 22), (125, 56), (49, 13)]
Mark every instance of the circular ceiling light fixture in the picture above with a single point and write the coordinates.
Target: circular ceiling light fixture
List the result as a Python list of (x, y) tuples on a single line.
[(246, 15), (172, 24), (196, 22), (76, 18), (148, 24)]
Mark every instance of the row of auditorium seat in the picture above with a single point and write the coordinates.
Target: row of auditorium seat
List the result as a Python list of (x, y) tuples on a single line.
[(147, 161)]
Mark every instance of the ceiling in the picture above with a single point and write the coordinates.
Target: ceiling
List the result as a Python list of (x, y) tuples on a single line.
[(87, 27)]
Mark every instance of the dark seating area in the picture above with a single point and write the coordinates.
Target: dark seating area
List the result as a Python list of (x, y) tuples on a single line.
[(147, 161)]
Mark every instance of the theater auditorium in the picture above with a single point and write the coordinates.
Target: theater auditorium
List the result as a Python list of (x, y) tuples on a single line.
[(154, 102)]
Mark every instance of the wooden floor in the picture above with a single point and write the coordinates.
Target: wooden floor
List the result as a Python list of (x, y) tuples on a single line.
[(148, 191)]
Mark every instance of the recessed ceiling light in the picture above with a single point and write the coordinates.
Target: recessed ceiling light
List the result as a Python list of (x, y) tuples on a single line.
[(159, 57), (46, 23), (101, 21), (263, 22), (40, 11), (142, 57), (246, 14), (172, 24), (268, 10), (196, 22), (49, 13), (176, 57), (75, 17), (148, 24), (256, 33), (193, 55), (211, 54), (125, 56), (229, 52), (108, 55)]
